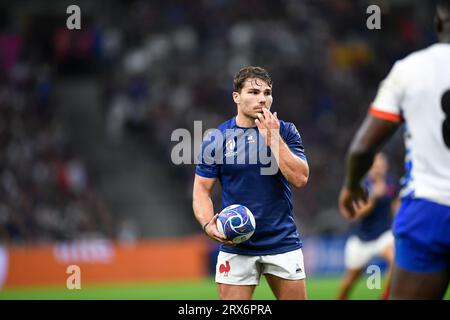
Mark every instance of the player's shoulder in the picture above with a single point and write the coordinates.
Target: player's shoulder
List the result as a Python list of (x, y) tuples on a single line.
[(414, 59), (411, 67), (286, 125), (228, 124), (218, 132), (289, 130)]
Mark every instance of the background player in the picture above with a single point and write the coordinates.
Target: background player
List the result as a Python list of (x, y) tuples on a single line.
[(371, 234), (275, 247), (416, 92)]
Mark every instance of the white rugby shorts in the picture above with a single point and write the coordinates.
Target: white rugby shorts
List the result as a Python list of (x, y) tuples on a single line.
[(358, 253), (239, 269)]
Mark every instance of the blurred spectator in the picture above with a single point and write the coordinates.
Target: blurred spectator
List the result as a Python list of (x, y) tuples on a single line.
[(45, 194)]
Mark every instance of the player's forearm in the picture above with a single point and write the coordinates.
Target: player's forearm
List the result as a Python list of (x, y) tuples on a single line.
[(358, 163), (370, 137), (294, 169), (203, 207)]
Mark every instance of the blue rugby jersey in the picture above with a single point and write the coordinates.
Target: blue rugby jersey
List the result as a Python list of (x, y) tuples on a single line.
[(267, 196), (379, 220)]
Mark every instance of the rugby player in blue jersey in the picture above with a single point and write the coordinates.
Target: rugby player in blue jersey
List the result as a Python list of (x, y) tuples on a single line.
[(416, 92), (371, 234), (275, 248)]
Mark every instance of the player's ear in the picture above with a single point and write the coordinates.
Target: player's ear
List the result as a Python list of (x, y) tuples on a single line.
[(236, 97)]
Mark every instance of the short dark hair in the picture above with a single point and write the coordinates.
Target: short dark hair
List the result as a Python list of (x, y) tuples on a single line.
[(250, 72)]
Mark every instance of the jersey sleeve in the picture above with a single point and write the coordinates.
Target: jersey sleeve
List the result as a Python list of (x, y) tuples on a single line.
[(294, 141), (208, 164), (388, 101)]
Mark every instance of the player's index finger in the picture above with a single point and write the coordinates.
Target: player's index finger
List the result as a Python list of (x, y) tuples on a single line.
[(259, 124), (267, 113), (260, 115)]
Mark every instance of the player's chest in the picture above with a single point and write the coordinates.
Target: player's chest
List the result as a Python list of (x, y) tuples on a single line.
[(245, 152)]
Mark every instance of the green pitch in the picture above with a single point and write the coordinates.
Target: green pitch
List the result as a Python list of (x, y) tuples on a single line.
[(317, 288)]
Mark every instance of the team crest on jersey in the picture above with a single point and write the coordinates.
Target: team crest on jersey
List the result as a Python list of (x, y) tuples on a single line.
[(229, 147)]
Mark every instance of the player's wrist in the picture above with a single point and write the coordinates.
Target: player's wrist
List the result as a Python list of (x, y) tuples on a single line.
[(275, 136), (205, 225)]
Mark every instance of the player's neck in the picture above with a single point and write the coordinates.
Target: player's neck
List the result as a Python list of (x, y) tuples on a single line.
[(244, 121)]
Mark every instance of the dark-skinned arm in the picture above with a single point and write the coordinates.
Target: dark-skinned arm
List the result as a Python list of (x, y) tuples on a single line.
[(371, 136)]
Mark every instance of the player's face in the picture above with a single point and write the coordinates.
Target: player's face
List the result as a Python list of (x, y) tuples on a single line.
[(255, 95)]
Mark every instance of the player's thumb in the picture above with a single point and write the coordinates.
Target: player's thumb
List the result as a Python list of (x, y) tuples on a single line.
[(275, 114)]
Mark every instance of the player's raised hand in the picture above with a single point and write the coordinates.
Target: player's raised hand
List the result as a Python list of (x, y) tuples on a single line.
[(351, 202), (212, 232), (268, 125)]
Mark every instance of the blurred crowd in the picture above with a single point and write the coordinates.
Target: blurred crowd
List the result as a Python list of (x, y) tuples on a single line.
[(45, 189), (165, 64)]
